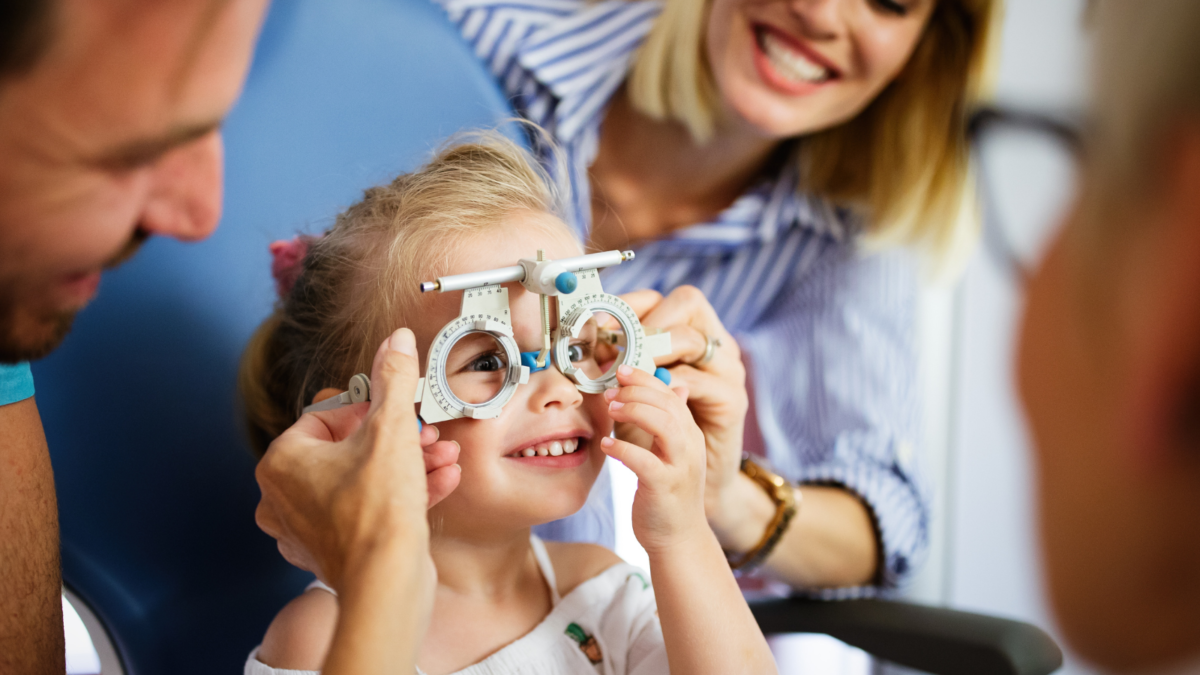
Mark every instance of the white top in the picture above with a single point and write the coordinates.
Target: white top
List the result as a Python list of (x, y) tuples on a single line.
[(607, 625)]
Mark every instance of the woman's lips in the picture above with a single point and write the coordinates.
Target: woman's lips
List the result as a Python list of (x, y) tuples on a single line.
[(787, 66)]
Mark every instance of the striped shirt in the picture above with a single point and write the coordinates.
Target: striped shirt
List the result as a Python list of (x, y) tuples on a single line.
[(829, 332)]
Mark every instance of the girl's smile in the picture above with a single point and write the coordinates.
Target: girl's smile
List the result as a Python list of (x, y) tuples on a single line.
[(555, 451)]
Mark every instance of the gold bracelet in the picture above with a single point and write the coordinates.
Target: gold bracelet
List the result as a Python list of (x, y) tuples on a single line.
[(787, 501)]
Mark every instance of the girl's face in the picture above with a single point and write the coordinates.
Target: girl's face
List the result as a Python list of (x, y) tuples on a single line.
[(792, 67), (501, 489)]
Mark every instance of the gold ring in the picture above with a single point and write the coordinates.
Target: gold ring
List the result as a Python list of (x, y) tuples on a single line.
[(710, 348)]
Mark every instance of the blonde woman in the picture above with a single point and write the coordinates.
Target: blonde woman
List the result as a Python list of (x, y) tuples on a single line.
[(775, 155)]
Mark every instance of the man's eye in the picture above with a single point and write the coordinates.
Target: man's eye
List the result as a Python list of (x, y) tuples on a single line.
[(486, 363)]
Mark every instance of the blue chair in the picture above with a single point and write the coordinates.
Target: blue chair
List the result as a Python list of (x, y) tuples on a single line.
[(155, 481)]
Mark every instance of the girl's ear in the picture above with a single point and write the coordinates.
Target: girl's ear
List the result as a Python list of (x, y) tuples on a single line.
[(327, 392)]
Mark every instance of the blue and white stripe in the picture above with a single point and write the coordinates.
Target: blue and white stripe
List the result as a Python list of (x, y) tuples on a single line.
[(829, 331)]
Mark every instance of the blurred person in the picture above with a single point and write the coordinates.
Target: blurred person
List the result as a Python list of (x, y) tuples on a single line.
[(1109, 357), (768, 161), (110, 115)]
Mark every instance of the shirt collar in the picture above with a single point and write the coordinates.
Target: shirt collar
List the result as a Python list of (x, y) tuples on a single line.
[(770, 208), (584, 57)]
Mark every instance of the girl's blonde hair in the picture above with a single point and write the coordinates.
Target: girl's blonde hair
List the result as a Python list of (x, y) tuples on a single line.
[(359, 281), (903, 161)]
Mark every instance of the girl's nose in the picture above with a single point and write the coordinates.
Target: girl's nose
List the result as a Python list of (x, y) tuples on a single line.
[(551, 389)]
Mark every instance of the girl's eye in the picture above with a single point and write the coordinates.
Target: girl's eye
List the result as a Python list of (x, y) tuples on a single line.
[(579, 352), (486, 363), (892, 7)]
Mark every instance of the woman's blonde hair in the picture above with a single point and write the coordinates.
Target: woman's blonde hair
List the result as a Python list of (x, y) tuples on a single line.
[(358, 282), (902, 162)]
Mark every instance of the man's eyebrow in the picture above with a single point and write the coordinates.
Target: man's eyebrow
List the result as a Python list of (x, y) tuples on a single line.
[(142, 151)]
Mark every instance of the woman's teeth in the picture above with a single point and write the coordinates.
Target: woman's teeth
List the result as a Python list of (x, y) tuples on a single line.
[(790, 63), (550, 448)]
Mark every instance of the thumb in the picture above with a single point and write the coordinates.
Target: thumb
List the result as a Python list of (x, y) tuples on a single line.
[(394, 377), (643, 301)]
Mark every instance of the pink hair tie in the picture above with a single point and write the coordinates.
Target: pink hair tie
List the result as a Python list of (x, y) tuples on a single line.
[(287, 261)]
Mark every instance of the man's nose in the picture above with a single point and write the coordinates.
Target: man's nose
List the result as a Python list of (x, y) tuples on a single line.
[(184, 200)]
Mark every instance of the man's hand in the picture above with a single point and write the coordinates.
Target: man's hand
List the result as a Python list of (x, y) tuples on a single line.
[(340, 484)]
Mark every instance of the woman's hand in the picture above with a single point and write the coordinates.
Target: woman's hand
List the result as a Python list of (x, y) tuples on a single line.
[(668, 507), (716, 390)]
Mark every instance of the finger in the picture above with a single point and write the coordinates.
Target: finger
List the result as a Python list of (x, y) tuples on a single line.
[(643, 301), (394, 377), (688, 345), (628, 376), (631, 434), (442, 482), (660, 398), (709, 391), (682, 393), (340, 423), (264, 516), (643, 463), (429, 434), (653, 420), (440, 454), (686, 305)]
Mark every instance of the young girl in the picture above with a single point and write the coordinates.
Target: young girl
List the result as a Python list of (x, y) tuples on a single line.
[(505, 601)]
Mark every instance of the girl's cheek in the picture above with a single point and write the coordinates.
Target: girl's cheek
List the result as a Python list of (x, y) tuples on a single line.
[(597, 409)]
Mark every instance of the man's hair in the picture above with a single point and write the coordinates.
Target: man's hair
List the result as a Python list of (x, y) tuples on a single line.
[(1147, 57), (26, 28)]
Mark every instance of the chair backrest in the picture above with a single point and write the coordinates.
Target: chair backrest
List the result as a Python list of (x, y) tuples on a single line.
[(155, 481)]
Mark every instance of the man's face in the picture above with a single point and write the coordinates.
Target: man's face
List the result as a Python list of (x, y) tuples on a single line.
[(1109, 368), (112, 137)]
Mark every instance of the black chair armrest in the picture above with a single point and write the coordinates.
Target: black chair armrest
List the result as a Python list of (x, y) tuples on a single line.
[(930, 639)]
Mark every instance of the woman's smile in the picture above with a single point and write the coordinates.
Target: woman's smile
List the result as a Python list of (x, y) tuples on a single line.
[(788, 65)]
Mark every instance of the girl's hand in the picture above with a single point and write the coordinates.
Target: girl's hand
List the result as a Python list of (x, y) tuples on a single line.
[(716, 390), (668, 507)]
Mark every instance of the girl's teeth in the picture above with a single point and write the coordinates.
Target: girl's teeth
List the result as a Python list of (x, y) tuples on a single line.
[(569, 445), (791, 64), (543, 451), (556, 448), (529, 452)]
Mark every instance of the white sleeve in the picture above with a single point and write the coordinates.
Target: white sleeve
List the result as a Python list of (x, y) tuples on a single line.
[(631, 630), (256, 667)]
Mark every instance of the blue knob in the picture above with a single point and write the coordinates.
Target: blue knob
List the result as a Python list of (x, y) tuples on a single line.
[(420, 426), (664, 375), (529, 360), (566, 282)]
